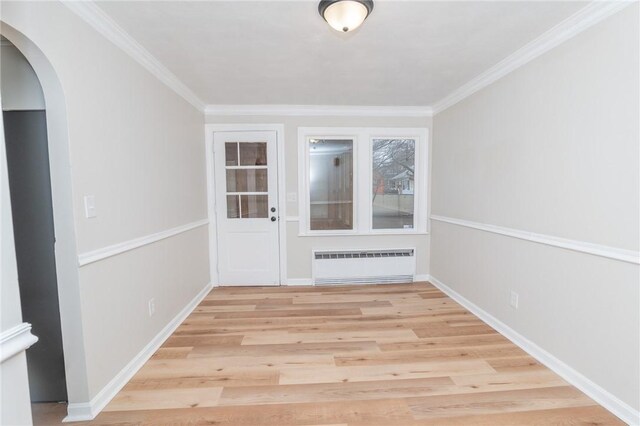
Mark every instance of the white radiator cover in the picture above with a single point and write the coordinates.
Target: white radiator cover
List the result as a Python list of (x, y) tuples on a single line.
[(363, 266)]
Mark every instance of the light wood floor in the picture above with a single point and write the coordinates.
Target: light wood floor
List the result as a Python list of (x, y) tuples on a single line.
[(355, 355)]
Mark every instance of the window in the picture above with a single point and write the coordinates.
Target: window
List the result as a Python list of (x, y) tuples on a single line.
[(362, 181), (330, 184)]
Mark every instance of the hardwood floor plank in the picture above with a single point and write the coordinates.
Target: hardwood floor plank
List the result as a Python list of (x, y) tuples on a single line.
[(574, 416), (497, 402), (323, 392), (147, 399), (290, 313), (182, 341), (373, 413), (331, 348), (381, 336), (419, 370)]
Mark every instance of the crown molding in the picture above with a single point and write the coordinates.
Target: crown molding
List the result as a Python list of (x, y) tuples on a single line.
[(585, 18), (319, 110), (103, 24)]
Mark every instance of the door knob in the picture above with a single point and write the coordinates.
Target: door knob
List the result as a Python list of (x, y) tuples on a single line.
[(273, 209), (273, 218)]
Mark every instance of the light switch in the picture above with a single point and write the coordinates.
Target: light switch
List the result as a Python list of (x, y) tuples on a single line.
[(292, 197), (90, 206)]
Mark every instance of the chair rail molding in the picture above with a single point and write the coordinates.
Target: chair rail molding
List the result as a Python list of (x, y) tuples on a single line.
[(565, 243), (116, 249), (15, 340)]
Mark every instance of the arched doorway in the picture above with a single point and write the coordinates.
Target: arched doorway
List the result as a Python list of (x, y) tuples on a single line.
[(66, 263), (25, 132)]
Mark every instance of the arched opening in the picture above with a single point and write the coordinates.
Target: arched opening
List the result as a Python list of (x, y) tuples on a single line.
[(52, 123), (26, 144)]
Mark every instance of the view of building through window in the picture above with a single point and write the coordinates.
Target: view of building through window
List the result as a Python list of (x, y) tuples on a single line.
[(393, 183)]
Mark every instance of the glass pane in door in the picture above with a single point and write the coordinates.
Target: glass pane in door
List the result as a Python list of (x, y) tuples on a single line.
[(233, 206), (231, 153), (247, 180), (254, 206), (253, 153)]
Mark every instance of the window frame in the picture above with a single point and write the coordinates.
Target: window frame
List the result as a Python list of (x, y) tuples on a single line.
[(363, 177)]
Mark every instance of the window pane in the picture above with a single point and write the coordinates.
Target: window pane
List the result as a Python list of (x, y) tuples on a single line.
[(253, 153), (233, 206), (254, 206), (246, 180), (231, 153), (393, 183), (331, 184)]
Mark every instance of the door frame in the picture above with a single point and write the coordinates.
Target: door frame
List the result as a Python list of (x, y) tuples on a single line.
[(210, 129)]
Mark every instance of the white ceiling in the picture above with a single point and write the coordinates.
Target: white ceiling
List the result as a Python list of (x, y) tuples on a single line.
[(407, 53)]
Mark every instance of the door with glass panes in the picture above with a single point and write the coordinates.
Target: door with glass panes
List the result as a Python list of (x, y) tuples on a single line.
[(247, 208)]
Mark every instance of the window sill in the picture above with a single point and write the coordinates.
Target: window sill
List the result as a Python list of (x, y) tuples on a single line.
[(359, 234)]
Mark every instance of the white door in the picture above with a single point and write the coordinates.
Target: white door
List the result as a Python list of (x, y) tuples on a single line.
[(246, 183)]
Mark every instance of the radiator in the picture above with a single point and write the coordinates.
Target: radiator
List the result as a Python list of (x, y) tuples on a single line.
[(363, 266)]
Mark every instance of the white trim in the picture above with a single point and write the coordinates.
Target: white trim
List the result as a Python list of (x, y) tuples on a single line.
[(93, 15), (591, 389), (319, 110), (211, 196), (292, 282), (585, 18), (565, 243), (89, 410), (293, 219), (421, 277), (116, 249), (15, 340)]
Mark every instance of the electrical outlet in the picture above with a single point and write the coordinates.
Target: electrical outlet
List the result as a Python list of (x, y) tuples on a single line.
[(513, 300), (152, 306)]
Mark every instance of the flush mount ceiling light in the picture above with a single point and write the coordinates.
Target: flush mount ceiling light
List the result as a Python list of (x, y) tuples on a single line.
[(345, 15)]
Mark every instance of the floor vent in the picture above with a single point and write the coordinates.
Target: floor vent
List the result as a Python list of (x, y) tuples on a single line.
[(363, 266)]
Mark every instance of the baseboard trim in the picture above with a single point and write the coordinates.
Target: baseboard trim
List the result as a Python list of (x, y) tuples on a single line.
[(421, 277), (15, 340), (89, 410), (299, 282), (603, 397)]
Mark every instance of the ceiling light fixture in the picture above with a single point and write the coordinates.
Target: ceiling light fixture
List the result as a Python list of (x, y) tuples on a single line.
[(345, 15)]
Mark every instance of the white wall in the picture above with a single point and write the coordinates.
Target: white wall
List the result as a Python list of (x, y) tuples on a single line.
[(299, 248), (19, 84), (551, 148), (139, 148)]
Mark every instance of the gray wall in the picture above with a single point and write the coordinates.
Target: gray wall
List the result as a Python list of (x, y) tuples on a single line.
[(551, 148)]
